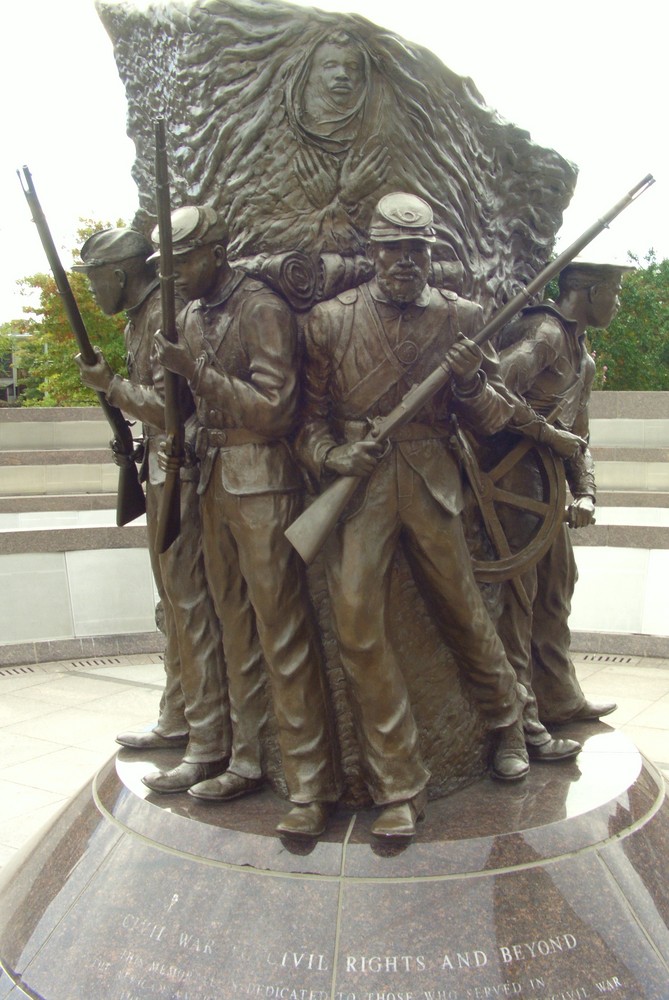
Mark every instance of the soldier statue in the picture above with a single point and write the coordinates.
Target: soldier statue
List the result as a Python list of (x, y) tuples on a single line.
[(194, 710), (364, 350)]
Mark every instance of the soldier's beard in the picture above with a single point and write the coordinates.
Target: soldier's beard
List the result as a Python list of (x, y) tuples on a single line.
[(402, 285)]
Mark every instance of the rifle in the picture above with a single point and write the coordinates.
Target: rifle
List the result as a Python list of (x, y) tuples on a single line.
[(130, 502), (310, 530), (169, 514)]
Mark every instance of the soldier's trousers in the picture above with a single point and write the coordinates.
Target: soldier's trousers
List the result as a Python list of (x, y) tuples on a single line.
[(259, 589), (195, 697), (358, 560), (538, 644)]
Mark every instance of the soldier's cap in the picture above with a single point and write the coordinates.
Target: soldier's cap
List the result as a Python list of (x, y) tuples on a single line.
[(580, 273), (401, 216), (112, 246), (192, 226)]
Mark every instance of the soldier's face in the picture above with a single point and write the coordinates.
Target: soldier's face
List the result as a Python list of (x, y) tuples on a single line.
[(603, 304), (402, 268), (195, 272), (108, 287), (340, 70)]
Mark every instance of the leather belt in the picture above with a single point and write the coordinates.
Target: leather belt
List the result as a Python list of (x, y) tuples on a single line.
[(228, 437)]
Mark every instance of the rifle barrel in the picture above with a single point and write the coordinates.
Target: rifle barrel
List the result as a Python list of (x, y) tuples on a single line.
[(514, 305), (169, 515), (130, 502)]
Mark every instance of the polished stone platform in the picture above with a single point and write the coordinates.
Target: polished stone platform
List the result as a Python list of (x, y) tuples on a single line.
[(553, 889)]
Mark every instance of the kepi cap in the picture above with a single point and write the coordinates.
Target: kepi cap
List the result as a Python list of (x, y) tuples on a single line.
[(111, 246), (192, 226), (401, 216), (583, 273)]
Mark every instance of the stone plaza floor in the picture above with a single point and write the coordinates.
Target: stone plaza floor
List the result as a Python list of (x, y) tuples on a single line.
[(58, 722)]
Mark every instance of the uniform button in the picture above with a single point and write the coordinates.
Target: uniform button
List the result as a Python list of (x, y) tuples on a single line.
[(213, 414)]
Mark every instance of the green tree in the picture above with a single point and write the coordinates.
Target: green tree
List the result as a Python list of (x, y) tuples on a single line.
[(633, 352), (50, 376)]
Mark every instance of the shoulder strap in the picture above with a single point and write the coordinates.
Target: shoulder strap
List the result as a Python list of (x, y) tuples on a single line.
[(360, 399)]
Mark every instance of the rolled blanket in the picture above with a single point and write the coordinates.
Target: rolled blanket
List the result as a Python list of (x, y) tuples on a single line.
[(337, 273), (447, 274), (293, 275)]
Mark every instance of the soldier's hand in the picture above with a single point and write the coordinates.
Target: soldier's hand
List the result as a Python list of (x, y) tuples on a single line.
[(174, 357), (359, 458), (97, 376), (581, 512), (563, 443), (464, 360), (165, 462)]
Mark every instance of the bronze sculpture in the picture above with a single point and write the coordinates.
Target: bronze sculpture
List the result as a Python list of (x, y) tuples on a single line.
[(194, 710), (363, 350), (287, 163), (238, 351), (544, 359), (193, 894)]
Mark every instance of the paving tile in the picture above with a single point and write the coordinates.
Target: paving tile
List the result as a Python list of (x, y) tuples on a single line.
[(62, 772), (149, 674), (15, 748), (610, 684), (653, 743), (22, 682), (77, 725), (636, 670), (140, 702), (17, 831), (18, 800), (18, 709), (73, 689), (655, 716)]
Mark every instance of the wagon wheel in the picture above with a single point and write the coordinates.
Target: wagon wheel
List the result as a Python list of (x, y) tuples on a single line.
[(504, 491)]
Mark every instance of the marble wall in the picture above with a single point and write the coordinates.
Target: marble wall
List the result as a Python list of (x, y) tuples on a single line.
[(69, 576)]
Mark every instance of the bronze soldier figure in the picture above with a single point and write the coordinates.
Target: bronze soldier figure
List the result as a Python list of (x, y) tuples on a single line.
[(365, 348), (544, 360), (238, 350), (194, 710)]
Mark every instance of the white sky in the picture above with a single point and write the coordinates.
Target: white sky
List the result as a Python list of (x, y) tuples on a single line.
[(585, 77)]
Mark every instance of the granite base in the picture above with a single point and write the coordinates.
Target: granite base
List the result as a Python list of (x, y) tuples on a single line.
[(556, 888)]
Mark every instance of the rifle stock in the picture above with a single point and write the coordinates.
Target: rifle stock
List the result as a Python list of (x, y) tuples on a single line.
[(169, 514), (308, 533), (130, 501)]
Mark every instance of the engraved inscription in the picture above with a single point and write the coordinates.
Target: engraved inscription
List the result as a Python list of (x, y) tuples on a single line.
[(179, 979), (532, 949), (609, 985), (385, 963), (143, 927), (298, 960)]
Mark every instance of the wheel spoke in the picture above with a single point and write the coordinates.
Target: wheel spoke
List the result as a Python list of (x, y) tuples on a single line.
[(521, 502), (511, 460), (495, 530)]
